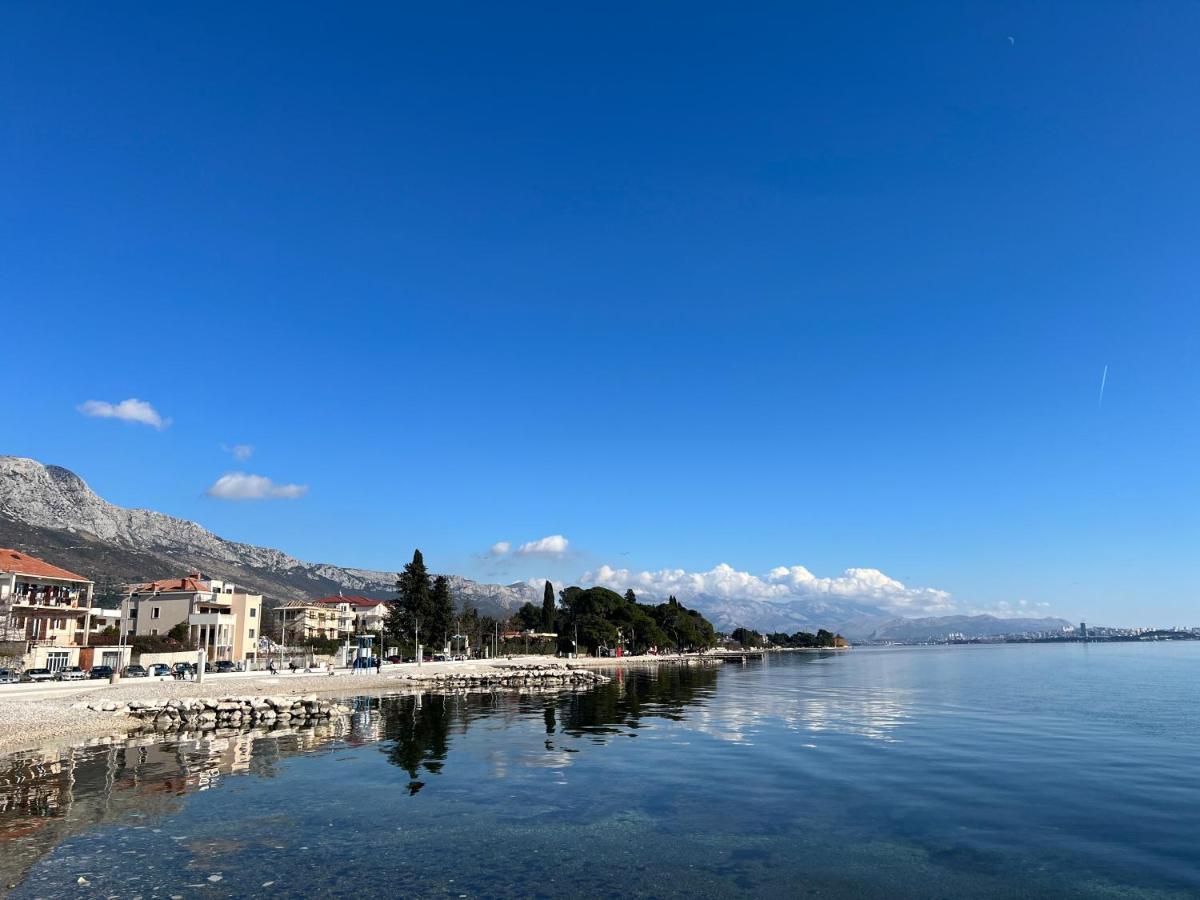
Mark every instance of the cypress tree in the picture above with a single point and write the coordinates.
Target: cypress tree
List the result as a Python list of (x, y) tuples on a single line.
[(548, 607)]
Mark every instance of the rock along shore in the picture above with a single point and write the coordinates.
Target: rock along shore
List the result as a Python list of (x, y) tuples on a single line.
[(60, 716)]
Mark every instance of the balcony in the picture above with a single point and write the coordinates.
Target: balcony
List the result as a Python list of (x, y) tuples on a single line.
[(212, 619)]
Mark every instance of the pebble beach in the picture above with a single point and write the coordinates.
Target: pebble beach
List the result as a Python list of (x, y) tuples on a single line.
[(42, 719)]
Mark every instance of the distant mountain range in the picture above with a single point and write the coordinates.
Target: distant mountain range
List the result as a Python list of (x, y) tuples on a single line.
[(49, 511)]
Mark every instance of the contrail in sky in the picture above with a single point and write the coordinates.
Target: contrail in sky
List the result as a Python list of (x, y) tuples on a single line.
[(1103, 380)]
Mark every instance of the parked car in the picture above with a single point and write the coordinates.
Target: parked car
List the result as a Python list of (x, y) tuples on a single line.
[(9, 676), (395, 659), (101, 672), (182, 669), (37, 675), (223, 666), (160, 670), (71, 673), (135, 672)]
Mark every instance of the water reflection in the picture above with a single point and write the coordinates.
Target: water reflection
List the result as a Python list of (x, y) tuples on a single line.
[(47, 798)]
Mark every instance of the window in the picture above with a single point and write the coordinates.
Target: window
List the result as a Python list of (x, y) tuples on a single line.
[(155, 611), (56, 660), (253, 614), (251, 633), (153, 631)]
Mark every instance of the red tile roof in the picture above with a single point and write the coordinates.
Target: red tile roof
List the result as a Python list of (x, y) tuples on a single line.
[(18, 562), (355, 601), (189, 584)]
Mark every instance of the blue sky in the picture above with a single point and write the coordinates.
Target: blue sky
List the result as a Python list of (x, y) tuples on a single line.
[(688, 284)]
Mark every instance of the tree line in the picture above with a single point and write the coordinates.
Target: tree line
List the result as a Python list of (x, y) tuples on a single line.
[(801, 639), (597, 618)]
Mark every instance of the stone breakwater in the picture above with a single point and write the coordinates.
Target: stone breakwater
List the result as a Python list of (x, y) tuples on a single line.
[(502, 676), (225, 712), (196, 713)]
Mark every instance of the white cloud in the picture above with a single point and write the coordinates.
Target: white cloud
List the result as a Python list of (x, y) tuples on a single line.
[(131, 410), (554, 545), (241, 452), (781, 584), (499, 548), (242, 486)]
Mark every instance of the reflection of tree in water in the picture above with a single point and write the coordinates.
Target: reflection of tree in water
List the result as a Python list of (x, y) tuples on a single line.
[(633, 695), (418, 729)]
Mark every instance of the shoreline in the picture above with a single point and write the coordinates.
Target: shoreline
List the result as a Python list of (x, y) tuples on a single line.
[(38, 722)]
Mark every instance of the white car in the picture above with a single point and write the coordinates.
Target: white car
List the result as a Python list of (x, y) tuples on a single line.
[(37, 675), (9, 676), (71, 673)]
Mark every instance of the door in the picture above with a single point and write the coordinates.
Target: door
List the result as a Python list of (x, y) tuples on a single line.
[(56, 660)]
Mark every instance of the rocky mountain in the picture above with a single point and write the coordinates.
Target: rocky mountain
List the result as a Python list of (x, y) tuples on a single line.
[(50, 511)]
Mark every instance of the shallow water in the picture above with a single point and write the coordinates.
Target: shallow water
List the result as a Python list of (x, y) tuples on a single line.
[(1010, 771)]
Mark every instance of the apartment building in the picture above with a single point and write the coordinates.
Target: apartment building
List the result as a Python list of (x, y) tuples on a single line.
[(356, 615), (300, 620), (222, 620), (45, 608)]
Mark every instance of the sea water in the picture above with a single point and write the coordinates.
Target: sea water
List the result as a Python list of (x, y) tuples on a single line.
[(989, 771)]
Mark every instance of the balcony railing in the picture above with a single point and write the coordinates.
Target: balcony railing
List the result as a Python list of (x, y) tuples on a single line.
[(211, 619)]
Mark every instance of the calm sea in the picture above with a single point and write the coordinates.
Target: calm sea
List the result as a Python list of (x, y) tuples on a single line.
[(1010, 771)]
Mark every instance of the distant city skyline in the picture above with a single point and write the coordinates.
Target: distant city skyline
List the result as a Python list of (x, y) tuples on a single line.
[(777, 302)]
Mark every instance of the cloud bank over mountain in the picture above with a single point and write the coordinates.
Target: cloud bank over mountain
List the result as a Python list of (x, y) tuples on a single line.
[(782, 584)]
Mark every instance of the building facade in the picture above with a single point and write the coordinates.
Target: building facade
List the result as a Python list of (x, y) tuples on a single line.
[(302, 620), (356, 615), (225, 622), (44, 608)]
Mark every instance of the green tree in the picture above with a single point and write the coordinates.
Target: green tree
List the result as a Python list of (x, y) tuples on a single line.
[(528, 617), (548, 607), (630, 596), (747, 638), (409, 619), (441, 610)]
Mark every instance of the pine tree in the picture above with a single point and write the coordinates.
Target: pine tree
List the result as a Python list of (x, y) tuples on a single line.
[(630, 596), (410, 617), (548, 607)]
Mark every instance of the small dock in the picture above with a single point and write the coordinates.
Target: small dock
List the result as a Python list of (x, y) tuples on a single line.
[(735, 655)]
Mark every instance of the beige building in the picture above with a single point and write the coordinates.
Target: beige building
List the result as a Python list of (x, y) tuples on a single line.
[(300, 620), (222, 620), (45, 608), (356, 615)]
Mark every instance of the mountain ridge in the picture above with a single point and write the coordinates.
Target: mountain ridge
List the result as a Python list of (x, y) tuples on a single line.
[(47, 507), (50, 511)]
